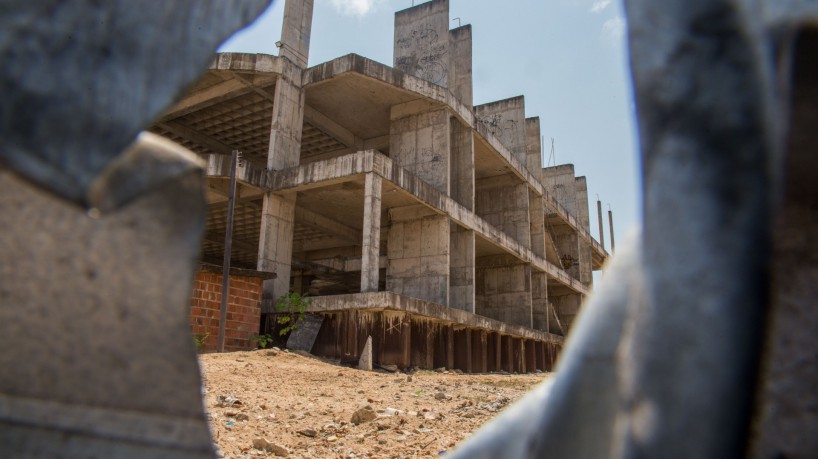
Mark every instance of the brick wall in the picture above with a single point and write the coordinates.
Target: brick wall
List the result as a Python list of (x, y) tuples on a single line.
[(243, 310)]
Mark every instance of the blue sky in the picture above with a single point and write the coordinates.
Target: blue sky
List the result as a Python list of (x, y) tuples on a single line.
[(568, 57)]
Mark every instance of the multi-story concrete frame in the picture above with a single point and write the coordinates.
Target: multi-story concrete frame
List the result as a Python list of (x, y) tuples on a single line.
[(391, 199)]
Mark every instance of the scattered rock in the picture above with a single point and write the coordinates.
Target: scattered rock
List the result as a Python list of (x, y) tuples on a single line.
[(392, 411), (363, 415), (440, 370), (242, 417), (272, 353), (409, 378), (312, 433), (390, 368), (458, 371), (441, 396), (226, 400), (263, 445), (332, 438)]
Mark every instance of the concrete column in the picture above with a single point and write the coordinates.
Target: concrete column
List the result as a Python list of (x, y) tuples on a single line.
[(461, 270), (276, 246), (371, 246), (423, 345), (519, 355), (460, 64), (463, 350), (396, 345), (530, 355), (491, 351), (539, 301), (278, 210), (507, 358), (418, 254), (533, 142), (479, 351), (497, 344), (296, 31), (449, 331), (462, 163), (583, 218), (503, 289)]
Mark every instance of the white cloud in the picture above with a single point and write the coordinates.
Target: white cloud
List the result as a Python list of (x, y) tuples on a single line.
[(614, 28), (600, 5), (358, 8)]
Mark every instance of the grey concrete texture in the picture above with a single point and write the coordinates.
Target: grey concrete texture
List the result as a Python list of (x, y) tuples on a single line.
[(422, 41), (505, 120), (81, 80), (91, 305)]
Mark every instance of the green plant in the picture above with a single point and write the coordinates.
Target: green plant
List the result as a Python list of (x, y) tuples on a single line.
[(263, 340), (291, 306), (199, 339)]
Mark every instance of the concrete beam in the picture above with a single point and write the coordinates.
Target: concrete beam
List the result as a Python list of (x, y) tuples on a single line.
[(212, 144), (389, 301), (331, 128), (327, 225)]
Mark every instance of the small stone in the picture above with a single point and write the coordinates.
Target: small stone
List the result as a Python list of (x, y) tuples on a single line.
[(409, 378), (390, 368), (242, 417), (264, 445), (363, 415), (332, 438), (441, 396), (440, 370), (272, 353), (457, 371), (312, 433)]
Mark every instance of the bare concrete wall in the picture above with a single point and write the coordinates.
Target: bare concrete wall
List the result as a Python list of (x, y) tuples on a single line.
[(422, 41), (566, 307), (505, 206), (420, 143), (559, 182), (503, 289), (505, 120), (418, 254)]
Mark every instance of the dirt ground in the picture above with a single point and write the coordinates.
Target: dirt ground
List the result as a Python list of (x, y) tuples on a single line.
[(271, 403)]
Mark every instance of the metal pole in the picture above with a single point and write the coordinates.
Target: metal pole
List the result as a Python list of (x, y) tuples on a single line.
[(599, 213), (228, 247), (610, 227)]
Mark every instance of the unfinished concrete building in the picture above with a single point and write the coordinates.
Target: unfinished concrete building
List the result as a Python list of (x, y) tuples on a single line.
[(406, 213)]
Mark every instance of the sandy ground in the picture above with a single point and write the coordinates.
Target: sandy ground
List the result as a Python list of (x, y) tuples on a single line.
[(270, 403)]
